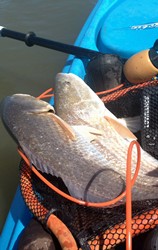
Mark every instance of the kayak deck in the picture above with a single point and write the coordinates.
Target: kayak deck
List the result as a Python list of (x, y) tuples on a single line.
[(129, 28)]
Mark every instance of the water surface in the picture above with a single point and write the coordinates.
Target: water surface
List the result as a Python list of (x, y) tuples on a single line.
[(31, 70)]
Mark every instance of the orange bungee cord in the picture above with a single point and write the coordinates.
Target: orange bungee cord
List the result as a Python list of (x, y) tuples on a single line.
[(110, 90), (86, 203), (45, 94), (120, 90), (63, 234)]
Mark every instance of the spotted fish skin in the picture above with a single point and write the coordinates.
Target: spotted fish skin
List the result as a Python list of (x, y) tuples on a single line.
[(59, 150), (77, 104)]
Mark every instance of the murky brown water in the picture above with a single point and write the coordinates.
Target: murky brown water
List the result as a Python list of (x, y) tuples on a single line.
[(31, 70)]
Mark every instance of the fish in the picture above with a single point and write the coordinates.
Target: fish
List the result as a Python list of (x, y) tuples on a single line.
[(77, 104), (56, 148), (132, 123)]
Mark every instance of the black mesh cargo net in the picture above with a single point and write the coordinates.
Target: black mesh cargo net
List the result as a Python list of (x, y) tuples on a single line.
[(96, 228)]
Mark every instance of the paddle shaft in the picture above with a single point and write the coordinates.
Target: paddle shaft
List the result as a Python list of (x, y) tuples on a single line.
[(31, 39)]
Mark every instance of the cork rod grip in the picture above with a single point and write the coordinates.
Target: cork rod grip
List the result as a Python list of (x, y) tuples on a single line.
[(139, 68)]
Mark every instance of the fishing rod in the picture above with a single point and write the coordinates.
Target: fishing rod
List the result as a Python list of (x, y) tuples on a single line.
[(31, 39)]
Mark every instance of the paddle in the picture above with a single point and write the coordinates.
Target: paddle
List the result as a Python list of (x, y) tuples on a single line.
[(31, 39)]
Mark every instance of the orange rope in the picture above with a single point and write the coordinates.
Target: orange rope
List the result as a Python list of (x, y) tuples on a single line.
[(62, 233), (104, 92), (128, 205), (129, 199), (112, 95), (81, 202), (45, 94)]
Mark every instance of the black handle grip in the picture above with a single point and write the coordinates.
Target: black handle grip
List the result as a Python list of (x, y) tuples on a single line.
[(31, 39)]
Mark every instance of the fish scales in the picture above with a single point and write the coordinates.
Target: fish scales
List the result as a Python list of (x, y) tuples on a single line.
[(83, 169), (77, 104)]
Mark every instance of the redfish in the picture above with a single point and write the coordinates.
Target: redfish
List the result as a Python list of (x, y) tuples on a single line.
[(78, 105), (56, 148)]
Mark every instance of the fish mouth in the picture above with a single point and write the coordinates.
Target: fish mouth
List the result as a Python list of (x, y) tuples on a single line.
[(47, 108), (66, 78), (3, 105), (19, 94), (41, 111), (62, 76), (31, 104)]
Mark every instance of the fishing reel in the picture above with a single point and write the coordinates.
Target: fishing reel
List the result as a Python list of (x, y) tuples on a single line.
[(107, 71), (142, 66)]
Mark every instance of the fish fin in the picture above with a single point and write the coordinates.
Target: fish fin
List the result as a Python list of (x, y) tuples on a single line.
[(88, 132), (34, 160), (65, 126), (133, 123), (121, 129)]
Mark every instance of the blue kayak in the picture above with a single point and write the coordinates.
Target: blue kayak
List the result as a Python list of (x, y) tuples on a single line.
[(122, 27)]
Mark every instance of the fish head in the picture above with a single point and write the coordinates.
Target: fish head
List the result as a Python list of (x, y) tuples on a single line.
[(77, 104), (24, 103), (15, 110), (75, 100)]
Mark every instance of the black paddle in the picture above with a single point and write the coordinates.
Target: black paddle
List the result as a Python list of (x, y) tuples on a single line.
[(31, 39), (101, 70)]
